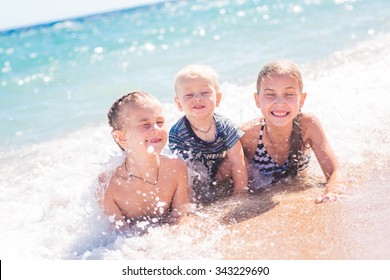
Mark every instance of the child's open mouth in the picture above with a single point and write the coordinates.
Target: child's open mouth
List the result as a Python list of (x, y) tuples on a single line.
[(154, 141), (198, 107), (280, 114)]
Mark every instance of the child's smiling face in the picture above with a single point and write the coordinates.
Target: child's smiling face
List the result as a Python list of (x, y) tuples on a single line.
[(145, 128), (197, 97), (279, 98)]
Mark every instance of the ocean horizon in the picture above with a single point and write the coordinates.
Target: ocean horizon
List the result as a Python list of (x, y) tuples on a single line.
[(12, 17)]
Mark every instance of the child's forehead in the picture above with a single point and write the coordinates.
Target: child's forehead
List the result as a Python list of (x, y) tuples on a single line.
[(190, 82), (149, 105), (197, 71), (276, 78), (197, 77), (144, 109)]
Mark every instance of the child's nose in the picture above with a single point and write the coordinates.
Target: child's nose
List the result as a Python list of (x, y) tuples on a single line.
[(197, 96), (279, 99), (155, 127)]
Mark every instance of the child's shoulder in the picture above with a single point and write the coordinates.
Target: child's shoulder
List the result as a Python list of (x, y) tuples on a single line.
[(178, 126), (310, 125), (223, 119), (309, 120), (120, 174), (171, 160), (252, 125), (180, 121), (251, 135)]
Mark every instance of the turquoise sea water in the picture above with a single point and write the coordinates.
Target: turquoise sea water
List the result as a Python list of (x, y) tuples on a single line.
[(60, 77), (58, 80)]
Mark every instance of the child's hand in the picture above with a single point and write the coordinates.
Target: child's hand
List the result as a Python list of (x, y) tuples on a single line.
[(329, 197), (333, 191)]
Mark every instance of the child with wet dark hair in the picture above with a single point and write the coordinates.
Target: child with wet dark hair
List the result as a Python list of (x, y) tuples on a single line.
[(147, 185)]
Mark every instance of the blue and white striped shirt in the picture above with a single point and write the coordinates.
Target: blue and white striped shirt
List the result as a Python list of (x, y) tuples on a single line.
[(184, 141)]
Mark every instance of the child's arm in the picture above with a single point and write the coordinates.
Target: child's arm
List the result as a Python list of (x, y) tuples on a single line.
[(250, 138), (238, 168), (111, 209), (326, 158), (180, 202)]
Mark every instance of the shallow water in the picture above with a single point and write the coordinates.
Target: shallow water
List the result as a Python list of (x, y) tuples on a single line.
[(55, 141)]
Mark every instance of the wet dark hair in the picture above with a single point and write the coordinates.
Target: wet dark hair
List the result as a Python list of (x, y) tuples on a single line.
[(117, 116), (297, 148)]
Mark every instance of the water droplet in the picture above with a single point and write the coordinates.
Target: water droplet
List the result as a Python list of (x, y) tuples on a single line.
[(297, 9), (150, 149), (161, 204), (149, 47), (241, 13), (98, 50)]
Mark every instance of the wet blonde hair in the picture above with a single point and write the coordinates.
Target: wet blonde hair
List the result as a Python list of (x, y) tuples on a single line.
[(121, 109), (280, 67), (196, 71)]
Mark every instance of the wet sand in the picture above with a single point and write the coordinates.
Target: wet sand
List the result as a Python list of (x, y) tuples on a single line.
[(285, 223)]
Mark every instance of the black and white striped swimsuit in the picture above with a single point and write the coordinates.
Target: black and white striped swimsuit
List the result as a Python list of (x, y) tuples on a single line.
[(263, 162)]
